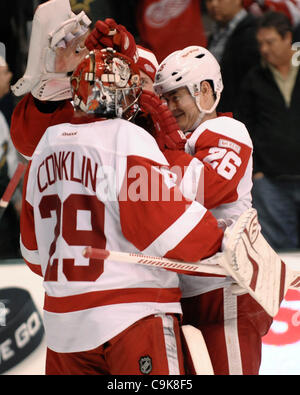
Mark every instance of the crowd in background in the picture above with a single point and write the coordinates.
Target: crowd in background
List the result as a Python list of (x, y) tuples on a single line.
[(259, 69)]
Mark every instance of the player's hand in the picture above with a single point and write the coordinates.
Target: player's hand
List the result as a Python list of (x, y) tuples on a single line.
[(167, 131), (108, 33)]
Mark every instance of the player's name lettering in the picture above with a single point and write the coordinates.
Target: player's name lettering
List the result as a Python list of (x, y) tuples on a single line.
[(229, 144), (139, 183), (66, 166)]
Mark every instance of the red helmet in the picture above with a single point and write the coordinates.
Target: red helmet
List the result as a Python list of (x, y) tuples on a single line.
[(106, 83)]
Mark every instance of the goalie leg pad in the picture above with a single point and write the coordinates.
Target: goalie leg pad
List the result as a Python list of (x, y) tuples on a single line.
[(254, 265)]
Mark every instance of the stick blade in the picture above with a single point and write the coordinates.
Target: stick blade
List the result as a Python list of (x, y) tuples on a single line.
[(197, 350)]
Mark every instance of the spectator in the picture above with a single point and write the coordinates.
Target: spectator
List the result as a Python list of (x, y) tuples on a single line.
[(9, 224), (269, 106), (233, 43)]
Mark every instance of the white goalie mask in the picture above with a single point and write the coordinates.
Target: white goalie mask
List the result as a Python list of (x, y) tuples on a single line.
[(189, 68)]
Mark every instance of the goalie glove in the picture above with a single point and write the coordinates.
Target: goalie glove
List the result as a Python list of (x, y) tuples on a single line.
[(168, 134), (54, 27), (108, 33)]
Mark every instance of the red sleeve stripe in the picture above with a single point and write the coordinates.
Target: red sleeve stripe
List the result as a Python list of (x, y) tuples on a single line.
[(176, 232), (31, 256), (35, 268)]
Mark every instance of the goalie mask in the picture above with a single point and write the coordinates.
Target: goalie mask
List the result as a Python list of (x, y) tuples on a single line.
[(106, 83), (189, 68)]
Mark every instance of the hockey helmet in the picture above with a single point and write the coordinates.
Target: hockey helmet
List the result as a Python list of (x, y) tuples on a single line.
[(189, 68), (106, 83)]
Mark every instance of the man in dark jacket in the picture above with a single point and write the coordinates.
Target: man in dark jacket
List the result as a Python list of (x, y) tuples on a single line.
[(269, 106), (233, 43)]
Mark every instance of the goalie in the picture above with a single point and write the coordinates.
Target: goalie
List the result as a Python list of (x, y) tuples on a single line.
[(100, 335)]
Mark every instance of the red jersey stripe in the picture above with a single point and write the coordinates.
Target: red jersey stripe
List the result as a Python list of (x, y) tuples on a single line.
[(67, 304)]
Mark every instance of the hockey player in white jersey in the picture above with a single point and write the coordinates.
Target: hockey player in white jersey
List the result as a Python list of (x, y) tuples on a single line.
[(217, 169), (90, 182)]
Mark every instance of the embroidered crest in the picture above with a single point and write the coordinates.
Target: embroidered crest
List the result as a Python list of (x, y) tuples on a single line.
[(145, 364)]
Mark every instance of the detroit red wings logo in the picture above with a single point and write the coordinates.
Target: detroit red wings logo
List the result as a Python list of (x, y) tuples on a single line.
[(161, 12)]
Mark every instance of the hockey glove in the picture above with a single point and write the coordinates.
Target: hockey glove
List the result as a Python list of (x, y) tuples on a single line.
[(168, 134), (54, 27), (108, 33)]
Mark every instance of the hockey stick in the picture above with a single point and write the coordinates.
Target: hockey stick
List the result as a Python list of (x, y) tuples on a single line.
[(247, 258), (209, 266), (197, 350), (11, 187)]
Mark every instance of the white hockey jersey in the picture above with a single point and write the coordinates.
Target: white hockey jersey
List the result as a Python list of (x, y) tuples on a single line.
[(106, 184), (220, 177)]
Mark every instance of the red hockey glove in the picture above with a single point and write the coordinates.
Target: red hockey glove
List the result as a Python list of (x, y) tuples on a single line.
[(108, 33), (168, 134)]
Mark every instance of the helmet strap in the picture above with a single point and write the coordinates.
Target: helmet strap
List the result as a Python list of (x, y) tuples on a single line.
[(213, 107), (202, 111)]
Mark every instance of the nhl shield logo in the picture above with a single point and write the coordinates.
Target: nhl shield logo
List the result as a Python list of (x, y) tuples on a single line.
[(145, 364)]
